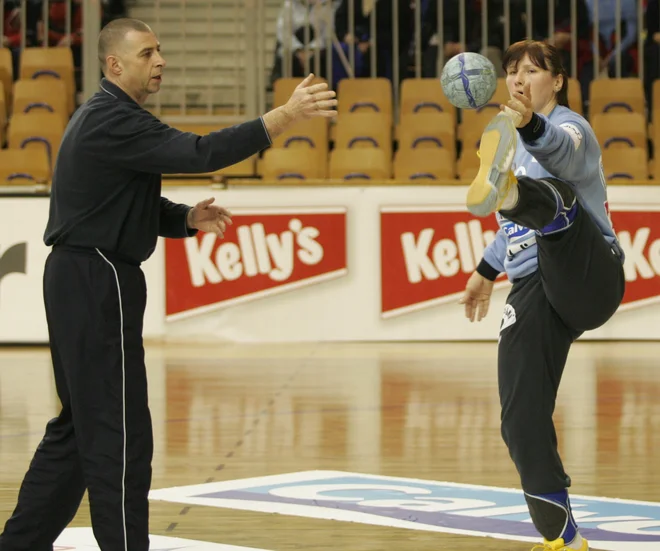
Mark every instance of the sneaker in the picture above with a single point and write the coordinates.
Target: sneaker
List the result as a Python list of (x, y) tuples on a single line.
[(495, 177), (559, 545)]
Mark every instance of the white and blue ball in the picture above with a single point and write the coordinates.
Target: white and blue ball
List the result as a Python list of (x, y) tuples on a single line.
[(469, 80)]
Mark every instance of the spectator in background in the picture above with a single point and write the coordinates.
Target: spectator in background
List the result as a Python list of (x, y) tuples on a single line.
[(361, 34), (12, 25), (57, 27), (607, 30), (298, 20), (473, 36), (561, 39)]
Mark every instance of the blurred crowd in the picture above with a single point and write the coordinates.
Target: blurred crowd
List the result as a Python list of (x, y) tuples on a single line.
[(316, 23), (58, 15)]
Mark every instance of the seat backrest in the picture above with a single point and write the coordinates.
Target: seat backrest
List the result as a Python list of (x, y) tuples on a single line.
[(616, 94), (631, 166), (37, 62), (424, 130), (363, 130), (424, 95), (575, 96), (6, 74), (283, 163), (4, 109), (371, 95), (616, 129), (44, 130), (40, 94), (360, 164), (470, 140), (416, 164), (23, 167), (310, 133)]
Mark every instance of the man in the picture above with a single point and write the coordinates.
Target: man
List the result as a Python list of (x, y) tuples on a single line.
[(106, 214)]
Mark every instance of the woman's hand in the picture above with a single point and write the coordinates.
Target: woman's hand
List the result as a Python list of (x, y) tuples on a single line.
[(521, 106)]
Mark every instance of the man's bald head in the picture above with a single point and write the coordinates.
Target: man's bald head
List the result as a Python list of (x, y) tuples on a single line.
[(113, 34), (130, 56)]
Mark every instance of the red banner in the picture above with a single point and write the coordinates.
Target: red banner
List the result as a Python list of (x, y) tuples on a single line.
[(263, 253), (428, 255), (639, 237)]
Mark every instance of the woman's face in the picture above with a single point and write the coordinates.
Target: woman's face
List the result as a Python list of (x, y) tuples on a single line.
[(543, 86)]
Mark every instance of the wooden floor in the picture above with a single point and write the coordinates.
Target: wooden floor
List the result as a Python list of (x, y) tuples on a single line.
[(422, 411)]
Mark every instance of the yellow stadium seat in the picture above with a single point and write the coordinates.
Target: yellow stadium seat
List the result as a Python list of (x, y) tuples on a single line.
[(364, 130), (427, 130), (23, 167), (633, 165), (360, 164), (424, 164), (470, 141), (37, 131), (371, 95), (425, 95), (616, 130), (310, 133), (284, 87), (467, 166), (616, 94), (286, 164), (6, 75), (575, 96), (3, 115), (49, 63), (42, 95)]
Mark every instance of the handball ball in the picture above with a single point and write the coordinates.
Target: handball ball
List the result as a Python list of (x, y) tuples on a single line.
[(469, 80)]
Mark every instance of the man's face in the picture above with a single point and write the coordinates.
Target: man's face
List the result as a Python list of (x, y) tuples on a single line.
[(139, 64)]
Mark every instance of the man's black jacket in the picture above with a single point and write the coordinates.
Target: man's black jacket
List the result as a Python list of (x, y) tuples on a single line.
[(106, 188)]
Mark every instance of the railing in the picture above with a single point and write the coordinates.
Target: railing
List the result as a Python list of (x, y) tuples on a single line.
[(29, 22), (224, 49)]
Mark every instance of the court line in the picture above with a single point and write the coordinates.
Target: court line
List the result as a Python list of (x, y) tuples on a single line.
[(257, 418)]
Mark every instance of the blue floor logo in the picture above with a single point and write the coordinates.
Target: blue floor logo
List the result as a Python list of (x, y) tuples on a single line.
[(609, 524)]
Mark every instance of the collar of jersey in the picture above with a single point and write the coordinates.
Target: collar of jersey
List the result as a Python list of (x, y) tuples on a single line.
[(114, 90)]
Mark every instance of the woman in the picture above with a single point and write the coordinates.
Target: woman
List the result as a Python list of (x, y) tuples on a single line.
[(558, 248)]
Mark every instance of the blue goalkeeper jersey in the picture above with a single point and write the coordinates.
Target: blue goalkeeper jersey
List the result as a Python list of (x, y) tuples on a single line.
[(568, 150)]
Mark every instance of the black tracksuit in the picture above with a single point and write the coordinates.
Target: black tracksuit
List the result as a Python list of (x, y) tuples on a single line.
[(106, 214)]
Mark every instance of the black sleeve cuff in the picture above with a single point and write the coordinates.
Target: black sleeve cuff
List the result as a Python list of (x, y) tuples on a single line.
[(486, 270), (533, 130)]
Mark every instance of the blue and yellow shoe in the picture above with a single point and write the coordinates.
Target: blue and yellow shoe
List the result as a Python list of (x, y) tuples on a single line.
[(559, 545), (495, 177)]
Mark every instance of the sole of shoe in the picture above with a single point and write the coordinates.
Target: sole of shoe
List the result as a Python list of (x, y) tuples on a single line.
[(497, 149)]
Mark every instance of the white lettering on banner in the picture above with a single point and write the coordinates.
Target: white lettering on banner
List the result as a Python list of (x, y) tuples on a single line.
[(448, 256), (636, 262), (256, 253)]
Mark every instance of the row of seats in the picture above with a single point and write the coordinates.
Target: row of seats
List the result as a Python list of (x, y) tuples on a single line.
[(288, 165), (417, 134), (426, 95), (427, 123), (35, 106), (53, 64)]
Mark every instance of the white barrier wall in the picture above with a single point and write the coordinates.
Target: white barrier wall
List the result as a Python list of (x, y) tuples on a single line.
[(373, 263)]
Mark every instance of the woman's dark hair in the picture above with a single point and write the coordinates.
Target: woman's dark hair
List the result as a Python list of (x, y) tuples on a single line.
[(545, 56)]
